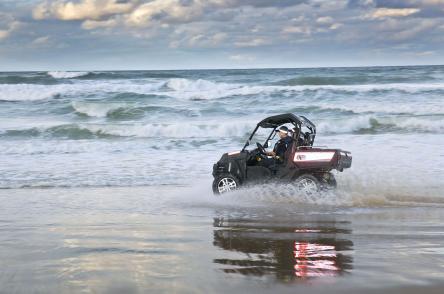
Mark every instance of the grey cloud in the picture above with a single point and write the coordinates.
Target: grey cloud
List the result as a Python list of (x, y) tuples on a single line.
[(268, 3), (420, 4), (8, 24), (396, 4), (430, 13), (360, 3)]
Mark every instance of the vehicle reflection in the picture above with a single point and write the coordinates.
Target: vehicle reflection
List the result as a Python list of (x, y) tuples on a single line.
[(287, 250)]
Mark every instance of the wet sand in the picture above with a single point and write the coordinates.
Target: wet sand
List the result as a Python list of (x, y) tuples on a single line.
[(184, 240)]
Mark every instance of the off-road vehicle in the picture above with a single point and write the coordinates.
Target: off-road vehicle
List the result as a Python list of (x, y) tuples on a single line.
[(303, 164)]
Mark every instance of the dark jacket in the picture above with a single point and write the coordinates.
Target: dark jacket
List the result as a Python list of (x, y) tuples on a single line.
[(281, 146)]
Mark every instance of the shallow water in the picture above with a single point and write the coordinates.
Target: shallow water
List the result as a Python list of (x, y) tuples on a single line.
[(138, 240)]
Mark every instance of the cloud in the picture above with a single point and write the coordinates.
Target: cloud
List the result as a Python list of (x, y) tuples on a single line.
[(304, 30), (45, 42), (242, 57), (181, 11), (166, 10), (411, 32), (264, 3), (425, 53), (199, 40), (252, 42), (8, 24), (41, 41), (230, 29), (138, 13), (408, 3), (85, 9), (422, 5), (90, 24), (392, 12), (324, 20)]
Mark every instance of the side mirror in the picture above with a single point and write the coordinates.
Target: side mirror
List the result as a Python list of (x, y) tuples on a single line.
[(247, 144), (266, 145)]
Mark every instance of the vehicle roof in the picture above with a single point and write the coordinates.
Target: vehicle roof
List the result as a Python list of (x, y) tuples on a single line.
[(277, 120)]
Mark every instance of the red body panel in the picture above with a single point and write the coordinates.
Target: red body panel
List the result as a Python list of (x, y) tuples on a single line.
[(319, 158)]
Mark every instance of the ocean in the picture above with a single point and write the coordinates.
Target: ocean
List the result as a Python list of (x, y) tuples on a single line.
[(105, 182)]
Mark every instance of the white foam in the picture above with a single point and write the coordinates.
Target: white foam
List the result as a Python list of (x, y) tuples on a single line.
[(356, 123), (344, 125), (179, 84), (95, 109), (280, 194), (31, 92), (205, 89), (411, 87), (27, 92), (67, 74), (422, 124), (384, 104), (173, 130), (231, 129)]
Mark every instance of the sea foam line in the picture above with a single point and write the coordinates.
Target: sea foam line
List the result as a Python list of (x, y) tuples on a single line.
[(67, 74)]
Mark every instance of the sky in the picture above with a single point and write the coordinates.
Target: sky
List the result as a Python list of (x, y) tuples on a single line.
[(196, 34)]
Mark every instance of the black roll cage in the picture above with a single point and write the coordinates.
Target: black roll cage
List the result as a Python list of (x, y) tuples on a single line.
[(276, 121)]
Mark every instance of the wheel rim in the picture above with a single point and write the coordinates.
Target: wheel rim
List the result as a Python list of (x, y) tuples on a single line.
[(226, 185), (308, 186)]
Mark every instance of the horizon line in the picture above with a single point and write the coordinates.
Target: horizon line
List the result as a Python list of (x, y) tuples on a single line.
[(227, 68)]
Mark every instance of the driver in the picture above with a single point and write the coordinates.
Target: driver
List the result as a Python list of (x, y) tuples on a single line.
[(282, 145)]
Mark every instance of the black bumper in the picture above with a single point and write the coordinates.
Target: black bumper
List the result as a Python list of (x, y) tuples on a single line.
[(344, 160)]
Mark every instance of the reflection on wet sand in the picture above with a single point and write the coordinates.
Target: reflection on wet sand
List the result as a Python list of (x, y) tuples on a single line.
[(287, 250)]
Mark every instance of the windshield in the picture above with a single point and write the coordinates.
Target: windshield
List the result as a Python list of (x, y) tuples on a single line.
[(262, 134)]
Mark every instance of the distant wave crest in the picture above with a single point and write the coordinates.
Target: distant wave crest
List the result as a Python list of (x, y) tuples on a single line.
[(67, 74), (200, 89), (367, 124)]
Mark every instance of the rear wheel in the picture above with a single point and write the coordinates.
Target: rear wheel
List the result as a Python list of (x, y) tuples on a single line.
[(225, 183), (308, 185)]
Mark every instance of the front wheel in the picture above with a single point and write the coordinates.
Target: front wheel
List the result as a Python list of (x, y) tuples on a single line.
[(308, 185), (225, 183)]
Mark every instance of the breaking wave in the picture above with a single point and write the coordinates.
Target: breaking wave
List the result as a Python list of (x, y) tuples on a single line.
[(351, 80), (203, 89), (200, 89), (27, 92), (233, 129), (95, 109), (31, 92), (67, 74), (156, 130), (368, 124), (127, 110), (314, 80)]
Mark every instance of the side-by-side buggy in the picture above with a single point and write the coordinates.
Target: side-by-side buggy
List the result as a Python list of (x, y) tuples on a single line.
[(307, 166)]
